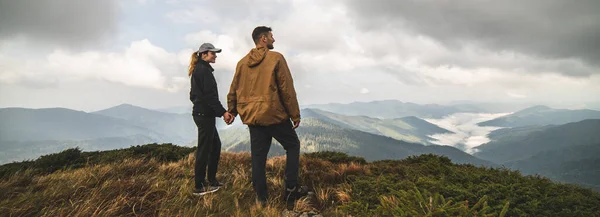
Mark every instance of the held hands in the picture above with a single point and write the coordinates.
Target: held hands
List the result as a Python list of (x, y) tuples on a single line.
[(296, 124), (228, 118)]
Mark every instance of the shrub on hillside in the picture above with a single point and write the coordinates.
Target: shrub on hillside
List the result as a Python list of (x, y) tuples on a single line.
[(335, 157), (423, 203), (74, 158), (421, 186), (528, 195), (9, 169), (52, 162)]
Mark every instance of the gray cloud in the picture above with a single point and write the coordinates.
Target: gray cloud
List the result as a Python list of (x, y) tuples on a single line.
[(71, 23), (545, 29), (326, 50), (227, 11)]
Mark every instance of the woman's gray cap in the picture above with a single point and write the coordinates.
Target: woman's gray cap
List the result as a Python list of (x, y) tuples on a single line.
[(208, 47)]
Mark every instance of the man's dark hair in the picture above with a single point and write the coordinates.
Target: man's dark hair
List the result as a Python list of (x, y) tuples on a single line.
[(259, 32)]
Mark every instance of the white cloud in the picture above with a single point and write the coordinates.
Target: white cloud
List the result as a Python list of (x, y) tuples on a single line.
[(516, 95), (195, 15), (325, 48), (523, 27), (326, 51), (142, 64), (364, 90)]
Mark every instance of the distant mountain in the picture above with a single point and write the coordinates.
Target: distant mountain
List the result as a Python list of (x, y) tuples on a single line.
[(388, 109), (522, 143), (29, 133), (515, 133), (566, 153), (410, 129), (420, 126), (134, 113), (21, 124), (542, 115), (574, 164), (320, 135), (177, 109), (235, 138), (179, 128), (479, 107)]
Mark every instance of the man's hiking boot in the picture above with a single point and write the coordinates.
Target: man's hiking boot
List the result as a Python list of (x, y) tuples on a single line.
[(205, 190), (291, 195)]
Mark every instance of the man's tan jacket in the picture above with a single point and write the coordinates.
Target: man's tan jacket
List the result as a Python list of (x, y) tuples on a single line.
[(262, 91)]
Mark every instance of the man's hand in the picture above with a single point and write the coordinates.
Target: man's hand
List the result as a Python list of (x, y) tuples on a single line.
[(228, 118), (231, 121), (296, 124)]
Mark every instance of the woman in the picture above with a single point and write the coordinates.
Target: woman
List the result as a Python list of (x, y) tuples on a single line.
[(205, 98)]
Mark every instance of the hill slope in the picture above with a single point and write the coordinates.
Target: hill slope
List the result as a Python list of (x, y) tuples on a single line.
[(567, 153), (410, 129), (576, 164), (521, 143), (179, 128), (155, 180), (19, 124)]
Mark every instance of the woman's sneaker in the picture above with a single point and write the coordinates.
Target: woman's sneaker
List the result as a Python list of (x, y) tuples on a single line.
[(205, 190)]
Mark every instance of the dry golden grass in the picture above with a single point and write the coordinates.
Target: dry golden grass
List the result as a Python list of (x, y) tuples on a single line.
[(343, 193), (150, 188)]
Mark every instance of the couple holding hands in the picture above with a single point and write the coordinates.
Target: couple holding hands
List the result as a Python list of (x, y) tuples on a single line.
[(262, 93)]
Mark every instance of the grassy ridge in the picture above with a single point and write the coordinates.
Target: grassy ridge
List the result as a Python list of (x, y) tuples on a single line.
[(156, 180)]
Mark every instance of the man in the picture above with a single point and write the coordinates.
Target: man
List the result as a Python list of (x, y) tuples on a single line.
[(205, 98), (262, 93)]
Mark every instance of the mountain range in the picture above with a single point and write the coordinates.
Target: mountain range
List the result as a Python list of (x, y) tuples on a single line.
[(390, 109), (520, 143), (20, 124), (556, 143), (568, 152), (320, 135), (542, 115), (53, 129), (28, 133)]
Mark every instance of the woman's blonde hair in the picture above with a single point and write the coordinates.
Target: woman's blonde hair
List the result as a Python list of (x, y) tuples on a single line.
[(193, 61)]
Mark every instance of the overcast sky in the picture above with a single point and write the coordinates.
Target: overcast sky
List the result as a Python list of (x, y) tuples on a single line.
[(91, 54)]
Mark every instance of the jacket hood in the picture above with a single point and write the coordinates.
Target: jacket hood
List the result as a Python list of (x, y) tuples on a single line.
[(256, 56)]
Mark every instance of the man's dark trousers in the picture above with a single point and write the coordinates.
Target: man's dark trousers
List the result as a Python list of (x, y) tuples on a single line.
[(209, 149), (260, 143)]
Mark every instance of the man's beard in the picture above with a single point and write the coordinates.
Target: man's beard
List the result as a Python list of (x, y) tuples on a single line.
[(270, 46)]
